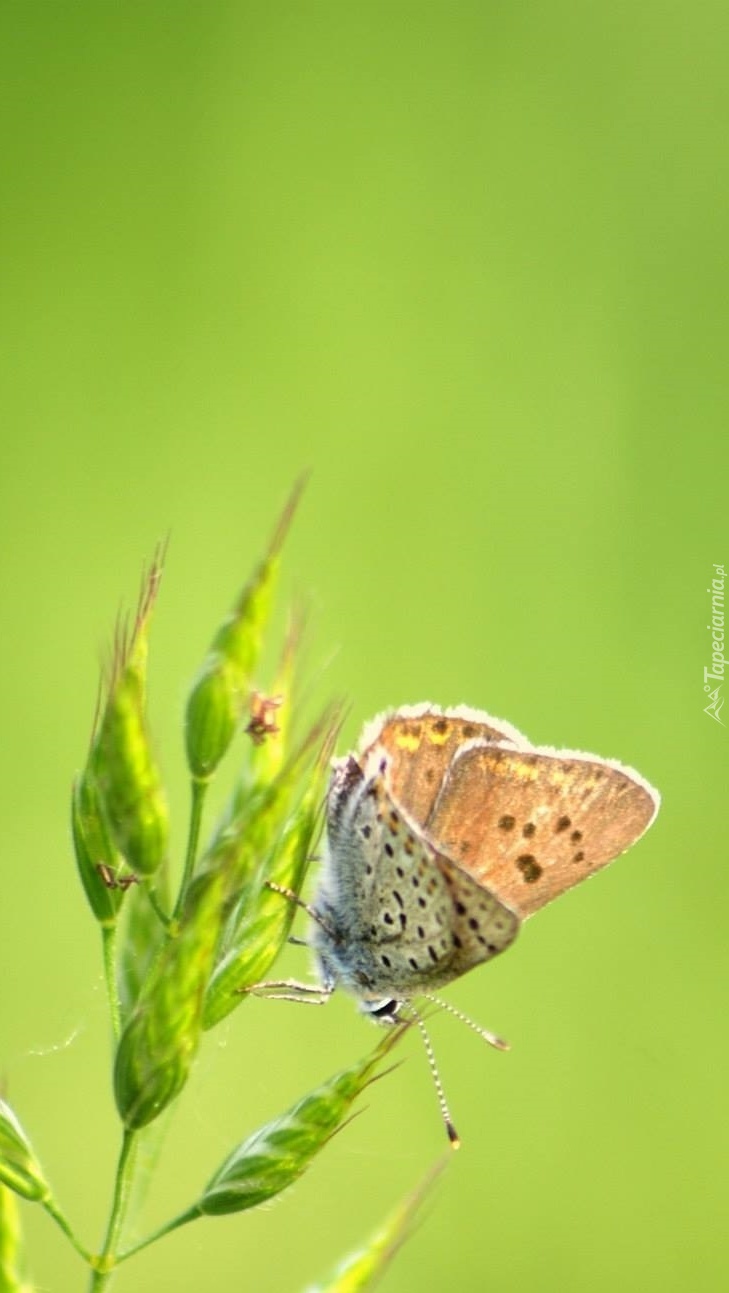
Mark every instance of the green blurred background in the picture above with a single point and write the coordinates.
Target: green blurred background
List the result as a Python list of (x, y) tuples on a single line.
[(467, 262)]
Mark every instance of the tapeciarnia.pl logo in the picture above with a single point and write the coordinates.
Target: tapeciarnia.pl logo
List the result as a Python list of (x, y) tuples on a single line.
[(715, 674)]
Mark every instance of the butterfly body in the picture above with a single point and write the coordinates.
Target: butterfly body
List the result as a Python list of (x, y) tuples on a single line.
[(397, 916), (444, 832)]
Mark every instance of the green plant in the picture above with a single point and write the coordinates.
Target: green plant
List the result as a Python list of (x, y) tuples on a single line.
[(176, 965)]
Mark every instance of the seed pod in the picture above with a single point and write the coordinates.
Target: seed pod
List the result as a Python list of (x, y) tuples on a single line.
[(142, 936), (160, 1040), (220, 692), (123, 762), (278, 1153), (19, 1167), (261, 919), (269, 726), (241, 845), (96, 855), (212, 715)]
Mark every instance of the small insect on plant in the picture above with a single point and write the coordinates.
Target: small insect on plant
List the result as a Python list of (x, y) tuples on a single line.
[(444, 832)]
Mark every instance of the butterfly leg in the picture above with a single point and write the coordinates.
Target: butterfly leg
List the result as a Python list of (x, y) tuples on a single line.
[(299, 902), (306, 994)]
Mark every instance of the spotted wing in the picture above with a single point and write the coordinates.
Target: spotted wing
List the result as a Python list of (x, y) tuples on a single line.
[(404, 918), (530, 824), (420, 742)]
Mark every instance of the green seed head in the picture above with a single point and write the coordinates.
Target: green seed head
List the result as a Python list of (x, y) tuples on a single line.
[(99, 863), (212, 715), (262, 921), (123, 763), (269, 726), (143, 935), (276, 1155), (160, 1041), (220, 694), (19, 1167), (283, 833)]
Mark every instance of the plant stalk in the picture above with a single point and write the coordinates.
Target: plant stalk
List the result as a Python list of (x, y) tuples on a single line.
[(106, 1261), (53, 1210), (109, 945), (190, 1215), (198, 790)]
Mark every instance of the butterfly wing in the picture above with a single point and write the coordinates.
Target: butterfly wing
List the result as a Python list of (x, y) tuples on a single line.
[(398, 918), (530, 824), (420, 742)]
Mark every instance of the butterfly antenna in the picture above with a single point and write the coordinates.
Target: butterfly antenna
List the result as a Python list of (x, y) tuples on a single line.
[(453, 1136), (483, 1033)]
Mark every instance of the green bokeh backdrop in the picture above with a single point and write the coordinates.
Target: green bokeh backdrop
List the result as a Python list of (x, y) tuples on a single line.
[(467, 262)]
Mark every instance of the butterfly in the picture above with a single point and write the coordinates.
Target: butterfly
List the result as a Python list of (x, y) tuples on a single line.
[(445, 831)]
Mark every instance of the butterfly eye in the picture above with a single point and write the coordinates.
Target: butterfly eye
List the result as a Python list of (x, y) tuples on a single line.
[(387, 1009)]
